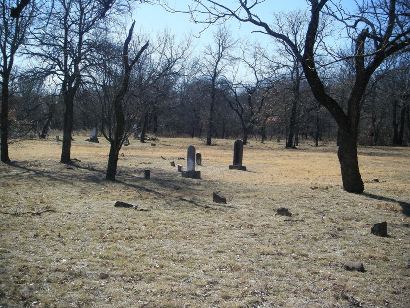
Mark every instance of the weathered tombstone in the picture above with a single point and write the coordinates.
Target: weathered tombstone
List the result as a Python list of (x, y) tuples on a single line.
[(191, 172), (198, 159), (93, 136), (237, 156), (147, 174), (179, 168)]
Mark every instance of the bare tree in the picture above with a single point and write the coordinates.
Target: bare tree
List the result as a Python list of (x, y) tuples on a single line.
[(64, 45), (215, 63), (247, 99), (119, 133), (378, 30), (15, 22)]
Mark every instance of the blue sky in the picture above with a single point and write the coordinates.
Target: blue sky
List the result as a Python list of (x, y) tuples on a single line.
[(152, 19)]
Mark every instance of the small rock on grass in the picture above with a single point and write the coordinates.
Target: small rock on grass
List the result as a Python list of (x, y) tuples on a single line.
[(104, 276), (125, 205), (380, 229), (354, 266), (283, 211), (218, 198)]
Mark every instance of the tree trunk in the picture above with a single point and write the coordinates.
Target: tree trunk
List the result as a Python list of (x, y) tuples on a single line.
[(210, 124), (68, 128), (46, 127), (290, 141), (112, 162), (349, 165), (401, 128), (395, 124), (5, 120), (211, 115), (317, 132), (144, 128)]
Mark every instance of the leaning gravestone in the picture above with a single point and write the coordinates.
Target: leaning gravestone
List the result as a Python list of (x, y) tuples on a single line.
[(198, 159), (191, 172), (237, 156)]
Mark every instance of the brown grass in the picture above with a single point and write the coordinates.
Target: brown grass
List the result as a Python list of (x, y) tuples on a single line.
[(63, 244)]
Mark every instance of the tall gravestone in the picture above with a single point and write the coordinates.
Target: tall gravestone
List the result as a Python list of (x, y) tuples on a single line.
[(190, 165), (237, 156), (93, 136)]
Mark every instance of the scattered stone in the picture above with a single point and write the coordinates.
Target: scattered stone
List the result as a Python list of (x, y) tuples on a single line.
[(198, 159), (191, 172), (181, 158), (147, 174), (237, 156), (104, 276), (179, 168), (125, 205), (354, 266), (172, 164), (153, 144), (218, 198), (122, 155), (376, 180), (283, 211), (380, 229)]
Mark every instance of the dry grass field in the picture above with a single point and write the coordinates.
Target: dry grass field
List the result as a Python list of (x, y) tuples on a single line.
[(64, 244)]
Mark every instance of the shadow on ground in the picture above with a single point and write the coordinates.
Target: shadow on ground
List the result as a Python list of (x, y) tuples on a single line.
[(404, 205)]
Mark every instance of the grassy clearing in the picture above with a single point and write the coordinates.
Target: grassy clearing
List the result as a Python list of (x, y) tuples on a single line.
[(63, 244)]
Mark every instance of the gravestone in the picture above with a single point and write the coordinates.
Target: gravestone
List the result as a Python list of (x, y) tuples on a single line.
[(147, 174), (198, 159), (237, 156), (191, 172), (126, 142), (93, 136), (179, 168)]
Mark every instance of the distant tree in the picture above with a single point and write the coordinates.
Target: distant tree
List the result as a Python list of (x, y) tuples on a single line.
[(247, 99), (215, 57), (17, 16), (378, 29)]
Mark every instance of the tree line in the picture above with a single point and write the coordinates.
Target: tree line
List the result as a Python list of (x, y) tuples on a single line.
[(80, 75)]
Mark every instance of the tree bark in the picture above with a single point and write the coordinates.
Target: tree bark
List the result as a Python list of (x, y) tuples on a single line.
[(144, 128), (211, 118), (67, 128), (395, 124), (5, 120), (349, 164), (401, 128)]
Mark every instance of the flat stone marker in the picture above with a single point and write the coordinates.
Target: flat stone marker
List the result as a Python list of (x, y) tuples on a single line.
[(198, 159), (237, 156), (190, 165)]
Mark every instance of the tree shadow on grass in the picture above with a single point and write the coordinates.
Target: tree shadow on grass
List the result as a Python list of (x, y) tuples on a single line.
[(404, 205), (167, 182)]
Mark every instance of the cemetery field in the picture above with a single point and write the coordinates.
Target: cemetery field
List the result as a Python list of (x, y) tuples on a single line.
[(64, 244)]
